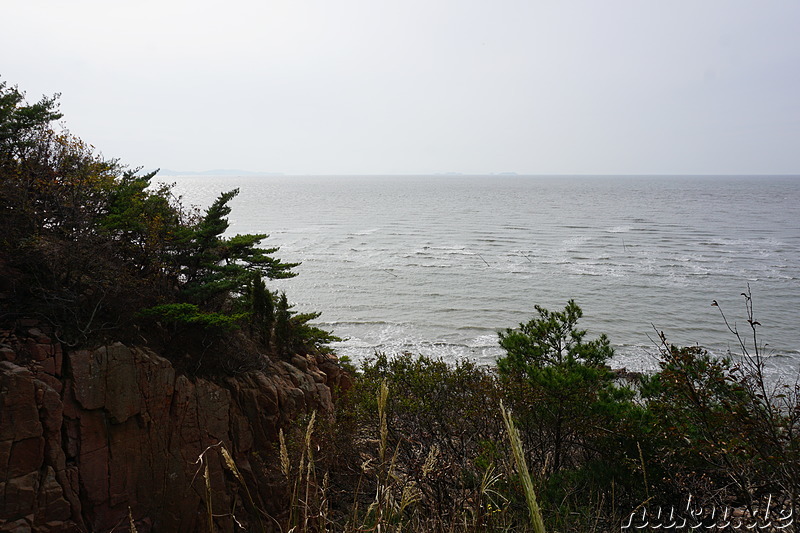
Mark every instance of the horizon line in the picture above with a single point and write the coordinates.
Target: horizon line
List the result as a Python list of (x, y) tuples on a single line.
[(237, 172)]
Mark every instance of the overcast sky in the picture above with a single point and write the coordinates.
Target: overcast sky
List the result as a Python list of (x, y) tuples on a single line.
[(420, 86)]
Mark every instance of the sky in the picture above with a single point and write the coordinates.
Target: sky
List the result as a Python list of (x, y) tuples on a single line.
[(420, 86)]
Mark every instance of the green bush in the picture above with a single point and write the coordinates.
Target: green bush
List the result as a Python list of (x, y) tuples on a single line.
[(571, 412)]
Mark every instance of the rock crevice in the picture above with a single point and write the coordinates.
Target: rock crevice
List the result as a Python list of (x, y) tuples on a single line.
[(89, 436)]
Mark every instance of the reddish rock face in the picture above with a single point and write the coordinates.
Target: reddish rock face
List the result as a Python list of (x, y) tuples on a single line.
[(118, 432)]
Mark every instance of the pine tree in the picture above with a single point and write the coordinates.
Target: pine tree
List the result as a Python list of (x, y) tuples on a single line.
[(563, 375), (263, 310), (283, 325), (215, 267)]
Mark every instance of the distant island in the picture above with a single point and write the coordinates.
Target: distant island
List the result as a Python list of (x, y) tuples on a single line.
[(216, 172), (475, 174)]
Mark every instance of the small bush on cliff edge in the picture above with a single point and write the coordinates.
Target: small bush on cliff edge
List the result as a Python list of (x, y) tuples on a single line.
[(101, 250)]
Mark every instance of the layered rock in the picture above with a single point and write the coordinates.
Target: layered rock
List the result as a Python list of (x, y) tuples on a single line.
[(92, 439)]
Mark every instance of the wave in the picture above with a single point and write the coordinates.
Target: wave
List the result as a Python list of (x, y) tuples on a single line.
[(629, 255), (364, 232), (334, 323), (619, 229)]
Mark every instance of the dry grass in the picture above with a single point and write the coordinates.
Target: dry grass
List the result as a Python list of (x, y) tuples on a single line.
[(522, 467)]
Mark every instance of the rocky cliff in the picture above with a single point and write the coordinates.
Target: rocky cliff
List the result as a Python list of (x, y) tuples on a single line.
[(109, 438)]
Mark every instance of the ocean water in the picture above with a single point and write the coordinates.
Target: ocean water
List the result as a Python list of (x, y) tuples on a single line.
[(439, 264)]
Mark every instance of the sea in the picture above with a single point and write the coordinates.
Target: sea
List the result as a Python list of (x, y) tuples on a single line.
[(438, 265)]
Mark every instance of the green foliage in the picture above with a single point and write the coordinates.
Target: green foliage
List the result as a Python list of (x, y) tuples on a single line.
[(98, 243), (551, 339), (212, 265), (580, 428), (307, 336), (21, 123), (454, 409), (713, 428), (190, 314), (560, 381), (293, 333), (262, 307), (443, 438), (283, 324), (595, 450)]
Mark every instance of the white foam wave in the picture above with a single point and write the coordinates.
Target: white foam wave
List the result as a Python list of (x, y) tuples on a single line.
[(619, 229), (364, 232)]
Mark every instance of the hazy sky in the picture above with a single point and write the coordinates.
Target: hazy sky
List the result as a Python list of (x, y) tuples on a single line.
[(420, 86)]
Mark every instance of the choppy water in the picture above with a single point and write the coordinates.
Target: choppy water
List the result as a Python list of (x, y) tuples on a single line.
[(439, 264)]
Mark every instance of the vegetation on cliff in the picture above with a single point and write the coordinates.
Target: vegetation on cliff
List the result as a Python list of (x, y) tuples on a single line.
[(103, 252), (421, 444), (102, 273)]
